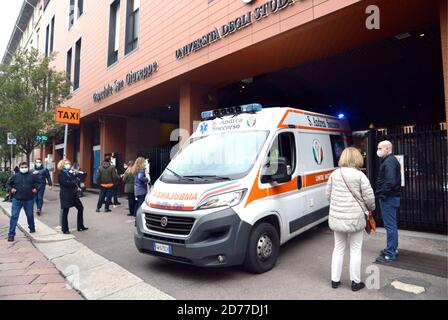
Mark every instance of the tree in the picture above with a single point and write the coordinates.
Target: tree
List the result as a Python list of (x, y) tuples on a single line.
[(30, 89)]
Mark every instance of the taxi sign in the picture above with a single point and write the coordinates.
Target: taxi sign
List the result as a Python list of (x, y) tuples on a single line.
[(68, 115)]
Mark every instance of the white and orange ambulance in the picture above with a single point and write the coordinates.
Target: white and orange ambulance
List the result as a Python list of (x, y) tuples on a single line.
[(248, 180)]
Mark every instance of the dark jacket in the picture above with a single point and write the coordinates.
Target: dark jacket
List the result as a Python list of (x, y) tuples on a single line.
[(128, 180), (43, 175), (107, 173), (388, 183), (24, 184), (69, 189)]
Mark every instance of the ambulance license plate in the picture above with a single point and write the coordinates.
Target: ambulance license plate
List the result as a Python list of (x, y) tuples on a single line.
[(162, 248)]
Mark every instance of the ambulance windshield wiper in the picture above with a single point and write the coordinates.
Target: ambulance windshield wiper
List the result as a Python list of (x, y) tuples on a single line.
[(179, 176), (205, 177)]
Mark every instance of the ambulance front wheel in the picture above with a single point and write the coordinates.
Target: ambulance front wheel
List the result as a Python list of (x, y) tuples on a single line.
[(263, 248)]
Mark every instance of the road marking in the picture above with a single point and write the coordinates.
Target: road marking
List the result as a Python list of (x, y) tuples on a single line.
[(130, 221), (410, 288)]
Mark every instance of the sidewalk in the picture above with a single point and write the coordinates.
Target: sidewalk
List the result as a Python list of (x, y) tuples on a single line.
[(25, 274)]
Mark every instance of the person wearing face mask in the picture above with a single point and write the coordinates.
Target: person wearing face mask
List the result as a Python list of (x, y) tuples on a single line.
[(44, 176), (69, 196), (388, 187), (129, 179), (22, 187)]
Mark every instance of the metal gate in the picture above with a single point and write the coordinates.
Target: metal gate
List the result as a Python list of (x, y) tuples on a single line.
[(424, 198), (159, 160)]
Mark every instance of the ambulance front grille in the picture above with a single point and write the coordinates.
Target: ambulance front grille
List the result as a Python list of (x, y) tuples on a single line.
[(175, 225)]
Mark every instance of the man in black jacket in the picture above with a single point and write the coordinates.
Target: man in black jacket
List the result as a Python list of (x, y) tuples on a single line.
[(23, 187), (388, 193), (44, 175)]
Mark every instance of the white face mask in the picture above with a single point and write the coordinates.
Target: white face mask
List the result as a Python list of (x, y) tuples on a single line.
[(380, 153), (38, 165), (67, 167), (23, 170)]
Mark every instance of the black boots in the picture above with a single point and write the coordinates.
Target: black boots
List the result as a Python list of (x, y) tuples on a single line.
[(357, 286), (10, 239), (83, 229)]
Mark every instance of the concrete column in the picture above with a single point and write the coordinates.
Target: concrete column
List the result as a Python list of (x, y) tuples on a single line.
[(444, 40), (113, 135), (194, 99), (85, 150)]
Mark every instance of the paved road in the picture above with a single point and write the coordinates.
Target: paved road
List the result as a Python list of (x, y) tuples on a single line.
[(302, 271)]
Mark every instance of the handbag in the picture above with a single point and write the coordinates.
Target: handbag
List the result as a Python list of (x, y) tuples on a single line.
[(370, 220)]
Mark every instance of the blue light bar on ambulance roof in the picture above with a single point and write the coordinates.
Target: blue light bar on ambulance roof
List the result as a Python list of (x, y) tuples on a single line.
[(247, 108)]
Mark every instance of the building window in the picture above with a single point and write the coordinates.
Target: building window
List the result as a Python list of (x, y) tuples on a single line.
[(47, 37), (77, 64), (52, 35), (71, 14), (80, 7), (69, 64), (132, 25), (114, 32)]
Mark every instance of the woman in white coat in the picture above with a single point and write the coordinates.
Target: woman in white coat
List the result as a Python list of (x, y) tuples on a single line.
[(351, 198)]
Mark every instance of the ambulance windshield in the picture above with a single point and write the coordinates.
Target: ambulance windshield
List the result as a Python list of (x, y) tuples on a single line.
[(223, 156)]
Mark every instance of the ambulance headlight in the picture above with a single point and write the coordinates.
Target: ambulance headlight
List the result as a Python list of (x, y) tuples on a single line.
[(147, 198), (228, 199)]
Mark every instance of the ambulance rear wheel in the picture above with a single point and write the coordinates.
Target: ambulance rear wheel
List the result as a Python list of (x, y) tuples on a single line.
[(262, 249)]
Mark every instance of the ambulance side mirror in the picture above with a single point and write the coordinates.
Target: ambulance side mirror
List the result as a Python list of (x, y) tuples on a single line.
[(278, 171)]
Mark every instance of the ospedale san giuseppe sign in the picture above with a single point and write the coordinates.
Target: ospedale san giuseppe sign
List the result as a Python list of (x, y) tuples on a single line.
[(255, 15)]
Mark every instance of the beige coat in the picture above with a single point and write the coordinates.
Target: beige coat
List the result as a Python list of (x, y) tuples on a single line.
[(346, 214)]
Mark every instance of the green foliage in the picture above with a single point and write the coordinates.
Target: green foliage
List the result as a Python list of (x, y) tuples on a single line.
[(30, 89), (4, 176)]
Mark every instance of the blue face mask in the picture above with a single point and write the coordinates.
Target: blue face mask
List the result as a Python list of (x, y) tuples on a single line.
[(38, 165), (24, 170)]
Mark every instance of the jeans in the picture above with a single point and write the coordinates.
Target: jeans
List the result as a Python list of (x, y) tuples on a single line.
[(105, 193), (115, 195), (28, 206), (80, 219), (40, 198), (140, 200), (132, 203), (337, 261), (389, 208)]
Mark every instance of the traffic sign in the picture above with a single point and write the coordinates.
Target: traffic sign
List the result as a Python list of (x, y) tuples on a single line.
[(68, 115), (11, 139), (42, 138)]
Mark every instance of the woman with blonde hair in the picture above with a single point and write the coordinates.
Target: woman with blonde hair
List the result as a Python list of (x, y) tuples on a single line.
[(69, 195), (351, 198), (129, 180), (140, 183)]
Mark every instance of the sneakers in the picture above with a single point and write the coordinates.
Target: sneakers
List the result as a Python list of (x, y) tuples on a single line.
[(357, 286), (335, 284), (107, 210), (383, 259), (32, 230), (10, 239)]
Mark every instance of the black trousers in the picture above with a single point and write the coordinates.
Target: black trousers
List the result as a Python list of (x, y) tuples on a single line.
[(105, 194), (80, 221), (132, 203)]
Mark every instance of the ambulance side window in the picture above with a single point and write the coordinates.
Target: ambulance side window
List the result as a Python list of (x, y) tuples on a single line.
[(284, 146), (337, 146)]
